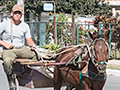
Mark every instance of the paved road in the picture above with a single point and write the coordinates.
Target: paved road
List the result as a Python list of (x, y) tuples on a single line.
[(4, 83), (113, 82)]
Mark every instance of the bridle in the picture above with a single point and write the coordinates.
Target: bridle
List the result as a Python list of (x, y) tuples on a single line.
[(92, 52)]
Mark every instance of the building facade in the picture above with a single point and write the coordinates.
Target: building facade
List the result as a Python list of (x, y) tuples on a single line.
[(115, 6)]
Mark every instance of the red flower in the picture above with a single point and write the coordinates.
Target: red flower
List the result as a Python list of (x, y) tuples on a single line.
[(63, 43), (86, 30), (103, 29), (49, 13), (80, 27), (80, 37), (85, 40), (90, 22), (68, 26)]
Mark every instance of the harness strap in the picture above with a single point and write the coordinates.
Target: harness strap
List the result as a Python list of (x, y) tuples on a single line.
[(11, 32), (78, 54), (79, 59), (80, 78), (94, 76), (74, 61), (102, 63), (69, 61)]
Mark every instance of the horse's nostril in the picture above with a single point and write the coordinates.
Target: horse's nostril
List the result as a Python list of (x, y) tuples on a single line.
[(104, 67), (101, 67)]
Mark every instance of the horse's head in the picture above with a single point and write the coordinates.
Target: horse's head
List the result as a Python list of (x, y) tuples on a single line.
[(99, 52)]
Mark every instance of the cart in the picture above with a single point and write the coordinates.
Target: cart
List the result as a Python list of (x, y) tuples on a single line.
[(33, 73)]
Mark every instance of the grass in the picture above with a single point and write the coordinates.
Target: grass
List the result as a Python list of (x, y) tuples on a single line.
[(115, 53), (112, 66)]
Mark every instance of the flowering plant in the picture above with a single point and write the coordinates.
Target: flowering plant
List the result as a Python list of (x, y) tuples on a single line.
[(83, 32), (64, 27)]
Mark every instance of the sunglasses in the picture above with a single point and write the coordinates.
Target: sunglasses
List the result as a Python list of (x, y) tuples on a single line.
[(17, 12)]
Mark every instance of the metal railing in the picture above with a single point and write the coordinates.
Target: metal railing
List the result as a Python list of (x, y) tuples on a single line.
[(43, 35)]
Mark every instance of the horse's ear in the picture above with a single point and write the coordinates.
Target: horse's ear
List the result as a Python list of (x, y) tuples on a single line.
[(106, 35), (92, 35)]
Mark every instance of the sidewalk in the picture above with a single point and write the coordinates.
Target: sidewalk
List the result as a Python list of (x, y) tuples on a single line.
[(112, 71)]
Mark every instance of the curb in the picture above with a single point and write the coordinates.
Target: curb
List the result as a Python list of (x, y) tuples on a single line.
[(113, 72)]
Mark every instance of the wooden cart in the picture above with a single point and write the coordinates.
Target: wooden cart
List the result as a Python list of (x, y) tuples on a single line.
[(33, 73)]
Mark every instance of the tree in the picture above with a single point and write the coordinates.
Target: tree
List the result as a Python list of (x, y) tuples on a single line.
[(8, 4), (83, 7), (34, 6), (115, 27)]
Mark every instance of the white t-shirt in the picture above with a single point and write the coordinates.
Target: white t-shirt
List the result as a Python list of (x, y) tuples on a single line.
[(20, 32)]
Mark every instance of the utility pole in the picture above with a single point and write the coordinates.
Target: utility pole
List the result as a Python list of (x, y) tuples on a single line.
[(21, 2)]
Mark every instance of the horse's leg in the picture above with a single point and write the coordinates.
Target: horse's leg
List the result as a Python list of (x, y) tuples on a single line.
[(57, 79), (86, 84), (69, 87)]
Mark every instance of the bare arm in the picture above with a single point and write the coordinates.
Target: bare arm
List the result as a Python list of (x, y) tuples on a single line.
[(6, 45), (30, 43)]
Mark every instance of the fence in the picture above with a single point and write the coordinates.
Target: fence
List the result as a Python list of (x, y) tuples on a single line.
[(43, 33)]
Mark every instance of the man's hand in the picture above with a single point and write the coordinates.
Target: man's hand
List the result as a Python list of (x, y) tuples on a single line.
[(30, 43), (33, 47), (8, 45)]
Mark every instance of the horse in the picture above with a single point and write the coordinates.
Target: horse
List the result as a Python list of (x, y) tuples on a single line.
[(89, 75)]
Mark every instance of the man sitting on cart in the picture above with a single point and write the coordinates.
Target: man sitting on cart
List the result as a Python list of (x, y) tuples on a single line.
[(14, 32)]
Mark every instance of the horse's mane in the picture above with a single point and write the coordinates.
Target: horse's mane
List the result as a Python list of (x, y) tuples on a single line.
[(99, 36)]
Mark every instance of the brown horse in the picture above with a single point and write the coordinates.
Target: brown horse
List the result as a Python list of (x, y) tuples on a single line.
[(85, 76)]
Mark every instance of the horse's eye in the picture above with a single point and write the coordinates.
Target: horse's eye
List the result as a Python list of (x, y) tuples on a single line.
[(107, 50)]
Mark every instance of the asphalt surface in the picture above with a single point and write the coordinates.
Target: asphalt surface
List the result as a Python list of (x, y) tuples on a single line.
[(4, 83), (108, 86), (112, 83)]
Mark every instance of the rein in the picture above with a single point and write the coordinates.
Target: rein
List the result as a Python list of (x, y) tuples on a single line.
[(54, 55)]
